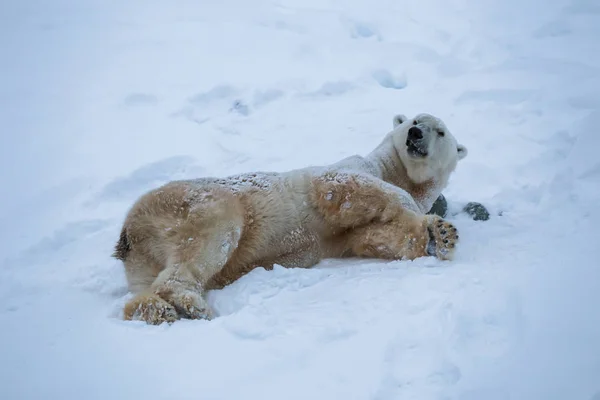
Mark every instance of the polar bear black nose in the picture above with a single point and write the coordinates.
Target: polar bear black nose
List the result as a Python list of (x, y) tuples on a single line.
[(415, 133)]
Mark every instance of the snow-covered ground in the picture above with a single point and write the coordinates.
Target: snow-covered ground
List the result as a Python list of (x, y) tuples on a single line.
[(102, 100)]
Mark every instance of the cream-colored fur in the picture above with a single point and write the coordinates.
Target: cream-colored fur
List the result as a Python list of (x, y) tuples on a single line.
[(190, 236)]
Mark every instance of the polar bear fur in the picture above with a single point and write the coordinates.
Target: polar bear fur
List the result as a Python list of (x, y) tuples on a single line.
[(190, 236)]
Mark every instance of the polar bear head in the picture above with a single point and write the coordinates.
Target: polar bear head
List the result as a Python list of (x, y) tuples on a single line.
[(426, 147)]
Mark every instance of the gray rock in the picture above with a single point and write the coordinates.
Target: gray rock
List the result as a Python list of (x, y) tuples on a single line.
[(439, 207), (477, 211)]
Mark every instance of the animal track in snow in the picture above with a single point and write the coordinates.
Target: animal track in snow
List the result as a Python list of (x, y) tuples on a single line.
[(336, 88), (362, 30), (387, 80), (226, 99), (240, 107), (73, 232), (219, 92), (146, 178)]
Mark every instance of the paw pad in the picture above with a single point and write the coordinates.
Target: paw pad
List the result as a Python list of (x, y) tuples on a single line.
[(442, 238)]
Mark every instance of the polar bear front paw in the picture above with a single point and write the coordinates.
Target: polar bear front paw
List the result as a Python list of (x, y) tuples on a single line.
[(443, 237)]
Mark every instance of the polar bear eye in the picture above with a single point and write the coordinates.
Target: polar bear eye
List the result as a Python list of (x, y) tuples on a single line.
[(441, 133), (415, 122)]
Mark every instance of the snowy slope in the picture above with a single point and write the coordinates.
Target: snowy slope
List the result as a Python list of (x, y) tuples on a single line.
[(103, 100)]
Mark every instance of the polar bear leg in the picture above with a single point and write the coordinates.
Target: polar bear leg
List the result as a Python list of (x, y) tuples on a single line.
[(198, 246), (347, 200), (405, 238)]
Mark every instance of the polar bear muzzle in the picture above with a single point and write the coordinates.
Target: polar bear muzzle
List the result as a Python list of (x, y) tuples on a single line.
[(416, 146)]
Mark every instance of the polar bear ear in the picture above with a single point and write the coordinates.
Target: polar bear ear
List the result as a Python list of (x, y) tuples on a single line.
[(399, 119), (462, 151)]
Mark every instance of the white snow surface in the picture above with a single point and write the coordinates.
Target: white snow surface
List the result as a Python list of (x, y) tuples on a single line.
[(103, 100)]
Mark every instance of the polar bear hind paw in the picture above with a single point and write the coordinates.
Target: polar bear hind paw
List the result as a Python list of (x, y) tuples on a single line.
[(191, 305), (154, 309), (150, 308), (443, 237)]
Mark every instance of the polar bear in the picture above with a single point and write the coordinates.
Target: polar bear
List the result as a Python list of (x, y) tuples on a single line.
[(190, 236)]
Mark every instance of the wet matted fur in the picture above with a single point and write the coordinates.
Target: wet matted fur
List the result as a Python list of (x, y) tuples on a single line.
[(190, 236)]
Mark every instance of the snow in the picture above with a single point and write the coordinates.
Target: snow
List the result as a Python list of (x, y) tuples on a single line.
[(103, 100)]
